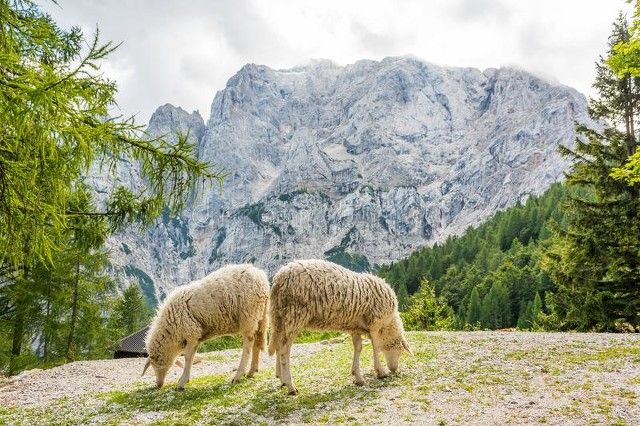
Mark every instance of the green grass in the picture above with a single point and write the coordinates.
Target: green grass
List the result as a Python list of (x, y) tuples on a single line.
[(235, 342), (463, 371)]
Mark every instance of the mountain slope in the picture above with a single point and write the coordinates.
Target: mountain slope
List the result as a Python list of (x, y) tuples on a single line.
[(360, 164)]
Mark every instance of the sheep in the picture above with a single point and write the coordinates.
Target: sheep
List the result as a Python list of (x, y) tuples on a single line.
[(321, 295), (234, 299)]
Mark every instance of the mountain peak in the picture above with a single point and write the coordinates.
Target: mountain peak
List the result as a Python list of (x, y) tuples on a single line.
[(360, 164)]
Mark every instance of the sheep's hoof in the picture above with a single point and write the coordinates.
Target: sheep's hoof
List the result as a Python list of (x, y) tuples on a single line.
[(180, 388), (235, 380), (293, 391), (251, 373), (358, 382), (382, 375), (283, 385)]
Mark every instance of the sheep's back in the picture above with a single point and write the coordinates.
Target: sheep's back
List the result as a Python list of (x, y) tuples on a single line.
[(220, 302), (331, 296)]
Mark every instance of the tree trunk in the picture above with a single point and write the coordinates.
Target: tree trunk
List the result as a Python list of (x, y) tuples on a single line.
[(18, 322), (74, 310), (18, 336), (46, 333)]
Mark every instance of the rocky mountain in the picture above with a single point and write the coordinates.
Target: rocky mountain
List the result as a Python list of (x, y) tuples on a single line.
[(360, 164)]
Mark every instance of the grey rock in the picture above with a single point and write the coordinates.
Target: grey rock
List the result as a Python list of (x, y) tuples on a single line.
[(362, 164)]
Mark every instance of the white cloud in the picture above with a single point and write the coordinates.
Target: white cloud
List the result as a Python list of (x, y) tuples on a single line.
[(183, 52)]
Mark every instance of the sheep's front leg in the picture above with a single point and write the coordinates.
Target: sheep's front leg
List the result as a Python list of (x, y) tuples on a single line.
[(377, 366), (278, 374), (355, 366), (189, 354), (247, 341), (284, 358)]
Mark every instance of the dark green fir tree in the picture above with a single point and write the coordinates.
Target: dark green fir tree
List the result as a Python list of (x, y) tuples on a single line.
[(595, 256)]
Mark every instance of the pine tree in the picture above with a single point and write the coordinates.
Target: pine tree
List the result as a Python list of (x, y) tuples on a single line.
[(403, 297), (496, 310), (54, 113), (536, 311), (461, 317), (524, 318), (595, 257), (131, 311), (474, 311), (53, 109), (428, 312)]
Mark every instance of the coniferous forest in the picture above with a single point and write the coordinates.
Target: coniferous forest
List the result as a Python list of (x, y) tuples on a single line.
[(567, 259), (491, 277)]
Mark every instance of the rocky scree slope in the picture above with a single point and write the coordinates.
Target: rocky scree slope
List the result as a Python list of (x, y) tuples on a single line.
[(360, 164)]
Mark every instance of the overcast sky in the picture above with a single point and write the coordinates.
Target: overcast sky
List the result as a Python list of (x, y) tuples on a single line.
[(182, 52)]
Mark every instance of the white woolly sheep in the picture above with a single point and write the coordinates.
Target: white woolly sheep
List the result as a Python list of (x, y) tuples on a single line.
[(231, 300), (321, 295)]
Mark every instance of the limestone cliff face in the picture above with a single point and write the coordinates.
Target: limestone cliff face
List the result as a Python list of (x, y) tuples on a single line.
[(359, 164)]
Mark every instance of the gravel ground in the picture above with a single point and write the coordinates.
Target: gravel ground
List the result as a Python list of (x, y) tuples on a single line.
[(453, 378), (77, 380)]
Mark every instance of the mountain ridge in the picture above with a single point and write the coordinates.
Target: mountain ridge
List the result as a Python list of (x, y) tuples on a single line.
[(361, 164)]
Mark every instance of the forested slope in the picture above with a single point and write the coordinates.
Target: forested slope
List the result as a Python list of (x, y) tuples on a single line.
[(491, 275)]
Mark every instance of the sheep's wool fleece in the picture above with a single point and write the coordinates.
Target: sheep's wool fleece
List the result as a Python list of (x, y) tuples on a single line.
[(322, 295), (231, 300)]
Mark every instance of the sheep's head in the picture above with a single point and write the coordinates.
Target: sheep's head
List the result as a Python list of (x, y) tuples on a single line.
[(393, 342), (161, 365)]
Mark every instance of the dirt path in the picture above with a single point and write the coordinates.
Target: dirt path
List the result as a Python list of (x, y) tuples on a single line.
[(453, 378)]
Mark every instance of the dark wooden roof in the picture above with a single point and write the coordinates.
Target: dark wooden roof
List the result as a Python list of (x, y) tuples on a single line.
[(133, 343)]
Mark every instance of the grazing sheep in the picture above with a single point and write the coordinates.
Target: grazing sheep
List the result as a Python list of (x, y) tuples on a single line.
[(231, 300), (322, 295)]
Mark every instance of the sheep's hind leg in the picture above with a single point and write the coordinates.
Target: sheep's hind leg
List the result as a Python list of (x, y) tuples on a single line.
[(284, 358), (255, 357), (278, 373), (247, 341), (355, 366), (189, 354)]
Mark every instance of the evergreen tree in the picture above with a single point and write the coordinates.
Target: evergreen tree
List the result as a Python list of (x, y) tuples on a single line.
[(474, 311), (461, 317), (428, 312), (54, 113), (53, 109), (131, 311), (403, 297), (495, 311), (595, 256), (524, 318), (536, 311)]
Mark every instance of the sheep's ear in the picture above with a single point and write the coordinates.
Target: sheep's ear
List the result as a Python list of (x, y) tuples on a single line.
[(179, 363), (146, 365), (405, 345)]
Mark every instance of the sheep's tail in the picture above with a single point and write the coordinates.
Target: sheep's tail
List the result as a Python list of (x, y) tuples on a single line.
[(276, 328), (260, 341), (278, 334), (275, 335)]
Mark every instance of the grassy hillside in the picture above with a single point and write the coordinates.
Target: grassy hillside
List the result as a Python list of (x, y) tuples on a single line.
[(453, 378)]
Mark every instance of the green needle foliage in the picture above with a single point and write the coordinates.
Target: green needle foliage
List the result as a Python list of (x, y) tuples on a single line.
[(56, 124), (428, 312), (625, 61), (131, 311), (595, 259), (487, 276)]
